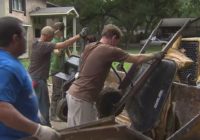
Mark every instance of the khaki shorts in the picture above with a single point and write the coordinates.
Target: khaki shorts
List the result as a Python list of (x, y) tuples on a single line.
[(80, 111)]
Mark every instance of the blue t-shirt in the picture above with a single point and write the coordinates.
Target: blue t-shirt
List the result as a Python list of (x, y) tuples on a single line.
[(16, 89)]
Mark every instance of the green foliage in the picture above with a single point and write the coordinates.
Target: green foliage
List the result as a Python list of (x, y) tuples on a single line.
[(129, 15), (190, 8)]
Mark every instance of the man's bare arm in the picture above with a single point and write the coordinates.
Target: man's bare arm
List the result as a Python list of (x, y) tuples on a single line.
[(141, 58), (67, 42), (73, 39), (12, 118)]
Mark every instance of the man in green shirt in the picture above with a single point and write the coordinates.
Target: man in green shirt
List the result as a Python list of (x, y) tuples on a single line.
[(57, 65)]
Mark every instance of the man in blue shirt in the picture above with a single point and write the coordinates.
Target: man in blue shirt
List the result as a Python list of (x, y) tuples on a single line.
[(18, 103)]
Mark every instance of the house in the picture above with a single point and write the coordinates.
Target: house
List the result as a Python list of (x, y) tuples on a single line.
[(35, 14)]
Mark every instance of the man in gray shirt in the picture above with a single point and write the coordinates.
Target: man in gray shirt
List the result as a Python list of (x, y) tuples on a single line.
[(40, 65)]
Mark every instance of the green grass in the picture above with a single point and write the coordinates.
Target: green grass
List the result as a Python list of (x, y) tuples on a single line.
[(126, 65)]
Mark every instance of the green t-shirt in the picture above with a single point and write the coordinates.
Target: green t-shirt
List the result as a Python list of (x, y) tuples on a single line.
[(57, 60)]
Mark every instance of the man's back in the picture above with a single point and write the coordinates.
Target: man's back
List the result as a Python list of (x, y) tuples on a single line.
[(94, 69), (40, 59)]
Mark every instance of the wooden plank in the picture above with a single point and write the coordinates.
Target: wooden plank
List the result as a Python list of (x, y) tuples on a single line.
[(101, 122), (190, 131), (114, 132)]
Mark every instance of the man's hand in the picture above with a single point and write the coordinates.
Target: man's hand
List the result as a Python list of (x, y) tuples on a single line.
[(46, 133), (159, 55), (57, 51), (84, 32)]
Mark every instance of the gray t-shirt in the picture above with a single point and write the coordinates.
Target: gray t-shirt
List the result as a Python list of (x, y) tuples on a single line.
[(40, 59), (95, 67)]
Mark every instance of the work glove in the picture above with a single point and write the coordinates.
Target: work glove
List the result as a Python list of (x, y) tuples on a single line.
[(46, 133), (159, 55), (84, 32)]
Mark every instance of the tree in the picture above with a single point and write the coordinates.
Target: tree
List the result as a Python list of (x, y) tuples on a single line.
[(92, 12), (190, 8), (129, 15), (133, 14)]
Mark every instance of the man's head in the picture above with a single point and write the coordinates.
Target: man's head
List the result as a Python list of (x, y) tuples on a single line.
[(112, 34), (12, 36), (47, 33), (58, 29), (59, 26)]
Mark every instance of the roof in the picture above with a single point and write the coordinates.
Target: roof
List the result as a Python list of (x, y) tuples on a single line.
[(176, 22), (54, 11)]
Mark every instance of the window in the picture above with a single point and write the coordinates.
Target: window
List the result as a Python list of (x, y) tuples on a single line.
[(17, 5)]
